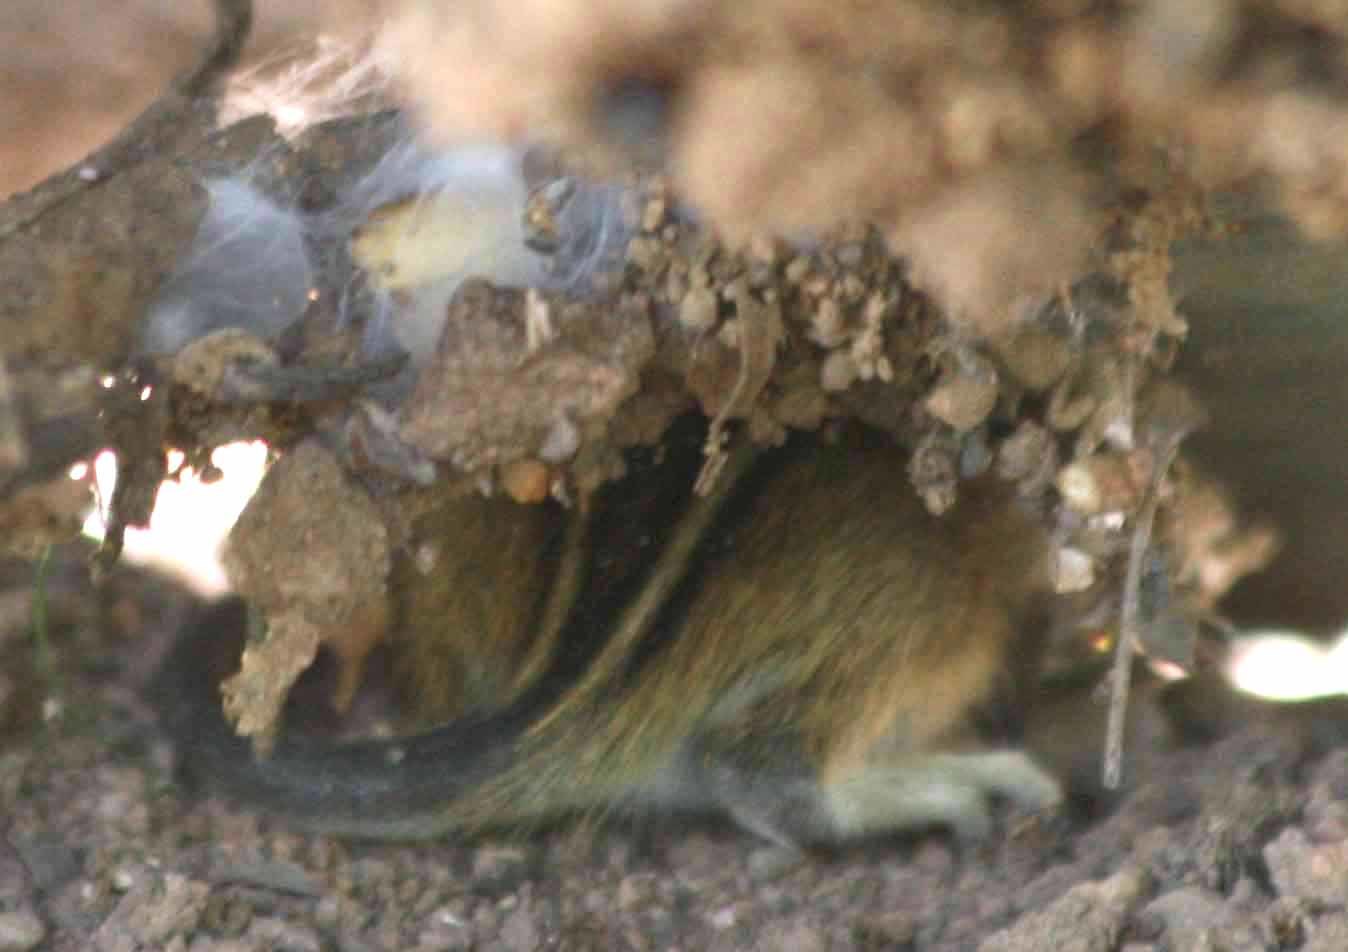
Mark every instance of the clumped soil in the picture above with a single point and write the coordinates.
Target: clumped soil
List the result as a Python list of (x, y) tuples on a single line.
[(1239, 843)]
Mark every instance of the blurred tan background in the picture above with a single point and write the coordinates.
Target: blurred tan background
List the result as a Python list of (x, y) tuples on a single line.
[(73, 72)]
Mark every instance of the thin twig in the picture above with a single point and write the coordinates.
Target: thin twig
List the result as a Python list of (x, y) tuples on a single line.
[(1129, 637)]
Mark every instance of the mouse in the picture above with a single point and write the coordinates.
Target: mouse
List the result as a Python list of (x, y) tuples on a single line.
[(806, 650)]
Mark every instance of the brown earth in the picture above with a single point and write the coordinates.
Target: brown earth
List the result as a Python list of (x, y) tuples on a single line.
[(1238, 845)]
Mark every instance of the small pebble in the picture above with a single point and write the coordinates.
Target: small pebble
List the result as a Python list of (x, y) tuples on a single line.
[(838, 372), (20, 931), (526, 480)]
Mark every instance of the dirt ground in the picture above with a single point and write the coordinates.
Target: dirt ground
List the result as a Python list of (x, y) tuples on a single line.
[(1238, 844)]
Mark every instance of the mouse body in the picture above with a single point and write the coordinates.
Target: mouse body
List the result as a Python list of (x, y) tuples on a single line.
[(806, 649)]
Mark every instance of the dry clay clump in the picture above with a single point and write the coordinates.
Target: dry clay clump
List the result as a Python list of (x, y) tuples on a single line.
[(980, 137), (311, 552), (517, 368)]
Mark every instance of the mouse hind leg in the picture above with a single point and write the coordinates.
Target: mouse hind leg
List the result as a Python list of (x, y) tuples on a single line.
[(951, 790), (768, 786)]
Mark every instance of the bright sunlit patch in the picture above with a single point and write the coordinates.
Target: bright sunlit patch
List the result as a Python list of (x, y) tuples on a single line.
[(191, 518), (1166, 670), (1286, 666), (291, 116)]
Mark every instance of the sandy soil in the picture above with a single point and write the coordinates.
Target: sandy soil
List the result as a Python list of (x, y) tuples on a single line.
[(1239, 844)]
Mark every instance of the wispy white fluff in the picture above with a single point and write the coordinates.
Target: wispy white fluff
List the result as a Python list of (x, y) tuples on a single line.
[(420, 221), (248, 267), (308, 83)]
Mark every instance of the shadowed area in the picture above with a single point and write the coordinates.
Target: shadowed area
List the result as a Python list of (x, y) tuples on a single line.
[(1268, 350)]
